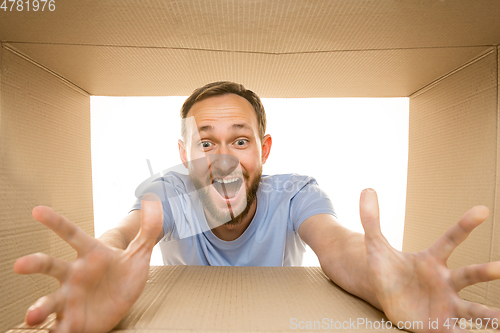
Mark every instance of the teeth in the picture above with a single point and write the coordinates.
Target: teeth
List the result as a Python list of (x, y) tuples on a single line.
[(225, 181)]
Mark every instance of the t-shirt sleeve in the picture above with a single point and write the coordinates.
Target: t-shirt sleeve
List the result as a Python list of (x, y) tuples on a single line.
[(160, 189), (308, 201)]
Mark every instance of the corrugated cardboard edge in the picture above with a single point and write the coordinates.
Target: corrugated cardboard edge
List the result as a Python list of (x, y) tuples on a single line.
[(2, 45), (494, 286)]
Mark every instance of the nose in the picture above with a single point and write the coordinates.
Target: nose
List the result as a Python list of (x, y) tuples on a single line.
[(223, 164)]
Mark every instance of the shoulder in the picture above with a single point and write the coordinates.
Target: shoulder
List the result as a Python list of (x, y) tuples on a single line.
[(286, 181), (290, 184), (166, 185), (176, 179)]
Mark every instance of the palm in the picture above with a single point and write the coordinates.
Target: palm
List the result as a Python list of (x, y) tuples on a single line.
[(101, 285), (405, 295), (109, 281), (419, 287)]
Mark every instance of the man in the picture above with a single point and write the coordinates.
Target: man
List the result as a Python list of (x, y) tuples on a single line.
[(226, 213)]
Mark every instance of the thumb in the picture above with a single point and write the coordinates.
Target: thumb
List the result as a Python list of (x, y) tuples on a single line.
[(151, 220), (369, 213)]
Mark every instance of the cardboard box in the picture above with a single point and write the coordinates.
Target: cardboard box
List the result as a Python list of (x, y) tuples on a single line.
[(441, 54), (199, 298)]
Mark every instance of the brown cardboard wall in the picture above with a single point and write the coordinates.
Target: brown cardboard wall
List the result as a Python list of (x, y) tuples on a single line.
[(452, 163), (286, 48), (45, 159), (112, 71), (494, 287)]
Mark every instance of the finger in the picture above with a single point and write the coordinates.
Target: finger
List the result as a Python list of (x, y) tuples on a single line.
[(468, 275), (68, 322), (42, 308), (62, 326), (370, 218), (369, 213), (64, 228), (42, 264), (151, 223), (444, 246), (485, 316)]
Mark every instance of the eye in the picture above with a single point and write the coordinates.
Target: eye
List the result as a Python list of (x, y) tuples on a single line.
[(241, 142), (205, 144)]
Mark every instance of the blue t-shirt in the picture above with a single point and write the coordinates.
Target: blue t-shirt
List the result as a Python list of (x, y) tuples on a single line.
[(271, 239)]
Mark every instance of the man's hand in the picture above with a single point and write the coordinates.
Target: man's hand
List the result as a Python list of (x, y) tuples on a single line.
[(102, 284), (418, 286)]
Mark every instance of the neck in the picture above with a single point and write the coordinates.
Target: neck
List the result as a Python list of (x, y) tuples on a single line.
[(230, 232)]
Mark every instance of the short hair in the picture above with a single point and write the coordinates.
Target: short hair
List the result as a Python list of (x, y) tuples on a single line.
[(223, 88)]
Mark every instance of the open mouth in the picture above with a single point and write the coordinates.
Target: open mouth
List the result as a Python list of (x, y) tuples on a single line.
[(227, 188)]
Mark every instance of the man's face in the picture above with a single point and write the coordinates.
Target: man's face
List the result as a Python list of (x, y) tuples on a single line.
[(224, 155)]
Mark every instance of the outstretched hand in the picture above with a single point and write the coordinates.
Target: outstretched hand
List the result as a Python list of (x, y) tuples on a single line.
[(419, 287), (102, 284)]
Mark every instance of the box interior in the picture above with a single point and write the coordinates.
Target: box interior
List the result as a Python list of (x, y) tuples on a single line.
[(442, 54)]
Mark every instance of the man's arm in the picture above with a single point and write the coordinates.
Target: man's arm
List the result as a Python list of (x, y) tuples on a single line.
[(121, 236), (101, 285), (341, 253), (406, 286)]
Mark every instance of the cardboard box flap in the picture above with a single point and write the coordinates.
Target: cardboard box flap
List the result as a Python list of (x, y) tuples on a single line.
[(272, 27), (216, 299), (124, 71), (292, 48), (250, 298)]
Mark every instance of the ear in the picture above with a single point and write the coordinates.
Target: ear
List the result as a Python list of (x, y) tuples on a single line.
[(183, 153), (267, 142)]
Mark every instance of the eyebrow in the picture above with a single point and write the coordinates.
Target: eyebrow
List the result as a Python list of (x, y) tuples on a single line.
[(208, 128), (240, 126)]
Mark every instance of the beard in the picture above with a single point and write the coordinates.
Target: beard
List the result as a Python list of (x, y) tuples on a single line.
[(214, 214)]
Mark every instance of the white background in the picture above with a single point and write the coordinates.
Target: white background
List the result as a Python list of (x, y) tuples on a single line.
[(346, 144)]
